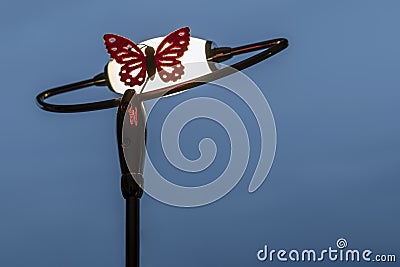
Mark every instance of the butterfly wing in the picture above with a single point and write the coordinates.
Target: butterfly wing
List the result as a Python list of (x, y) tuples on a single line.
[(169, 51), (129, 55)]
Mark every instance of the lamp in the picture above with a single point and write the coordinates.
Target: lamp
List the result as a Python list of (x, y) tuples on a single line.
[(129, 64)]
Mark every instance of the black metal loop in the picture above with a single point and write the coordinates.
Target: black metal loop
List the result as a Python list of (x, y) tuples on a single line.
[(221, 54)]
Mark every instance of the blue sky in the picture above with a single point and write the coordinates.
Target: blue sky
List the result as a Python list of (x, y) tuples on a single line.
[(334, 94)]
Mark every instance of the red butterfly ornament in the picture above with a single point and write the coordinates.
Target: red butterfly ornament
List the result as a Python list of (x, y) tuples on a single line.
[(136, 64)]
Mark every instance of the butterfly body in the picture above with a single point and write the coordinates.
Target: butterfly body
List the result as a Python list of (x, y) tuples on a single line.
[(136, 65), (150, 61)]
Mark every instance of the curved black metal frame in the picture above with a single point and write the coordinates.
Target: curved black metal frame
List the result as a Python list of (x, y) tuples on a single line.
[(221, 54)]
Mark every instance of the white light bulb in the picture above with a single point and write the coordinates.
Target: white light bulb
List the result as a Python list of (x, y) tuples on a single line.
[(196, 53)]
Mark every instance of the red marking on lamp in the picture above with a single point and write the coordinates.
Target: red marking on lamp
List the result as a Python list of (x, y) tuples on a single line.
[(132, 111)]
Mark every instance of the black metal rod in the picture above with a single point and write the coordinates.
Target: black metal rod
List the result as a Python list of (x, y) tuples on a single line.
[(131, 137), (132, 253), (98, 80)]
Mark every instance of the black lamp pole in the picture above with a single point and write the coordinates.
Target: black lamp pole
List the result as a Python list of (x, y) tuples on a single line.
[(131, 135)]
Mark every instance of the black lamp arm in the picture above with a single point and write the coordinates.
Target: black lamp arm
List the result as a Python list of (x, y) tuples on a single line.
[(269, 47)]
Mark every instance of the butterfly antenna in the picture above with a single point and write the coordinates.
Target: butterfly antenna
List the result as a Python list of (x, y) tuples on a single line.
[(142, 45)]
